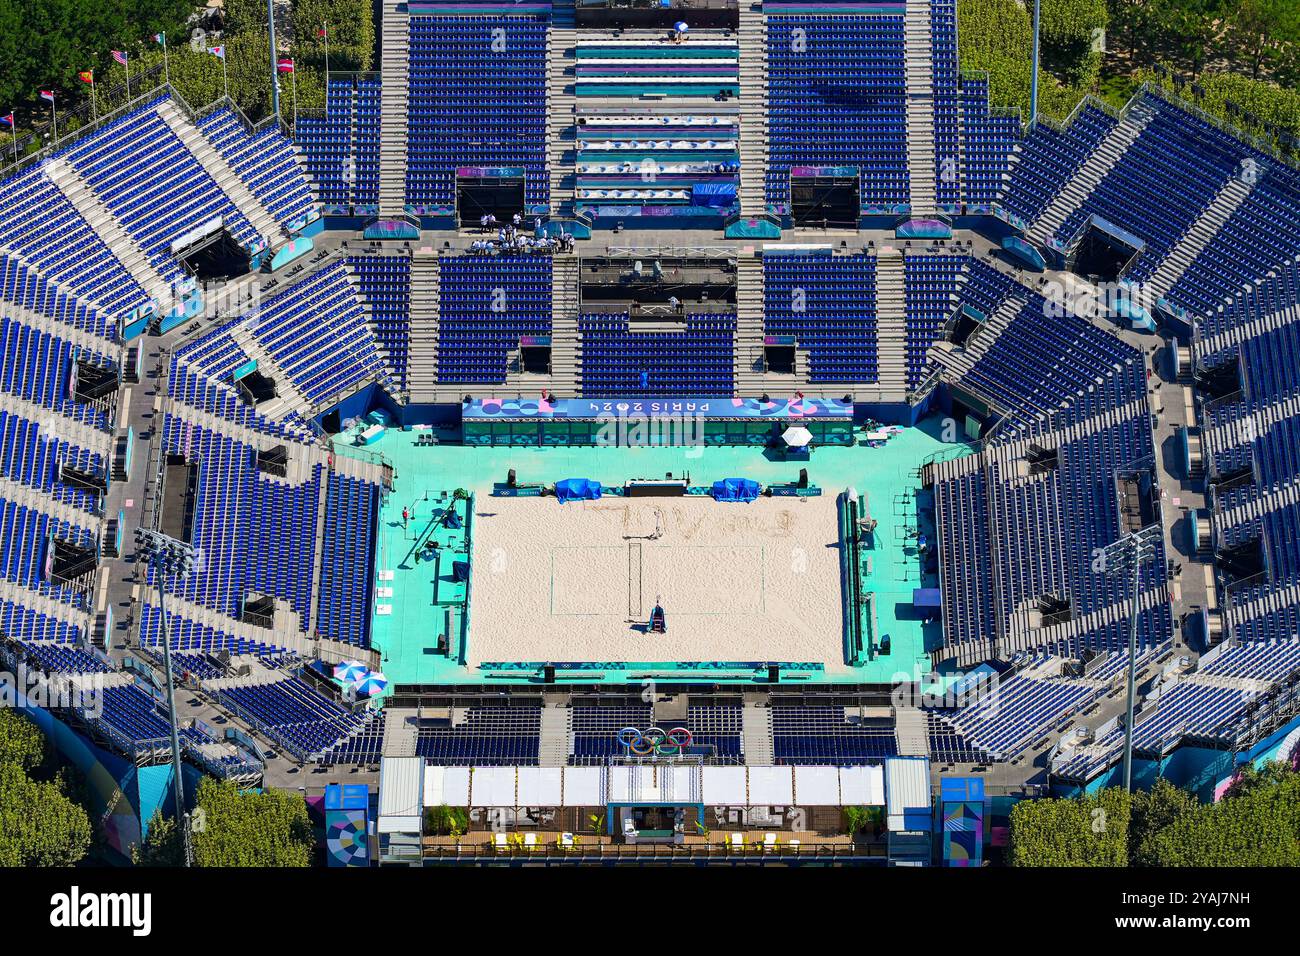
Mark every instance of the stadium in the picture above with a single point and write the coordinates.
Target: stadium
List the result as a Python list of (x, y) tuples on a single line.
[(646, 431)]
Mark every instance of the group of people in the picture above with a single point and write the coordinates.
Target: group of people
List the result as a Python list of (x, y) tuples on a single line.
[(510, 239)]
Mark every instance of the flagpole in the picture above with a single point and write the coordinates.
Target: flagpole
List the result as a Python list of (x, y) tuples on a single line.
[(167, 72), (94, 104), (225, 82), (327, 61), (126, 62), (275, 60), (13, 128), (294, 80), (54, 117)]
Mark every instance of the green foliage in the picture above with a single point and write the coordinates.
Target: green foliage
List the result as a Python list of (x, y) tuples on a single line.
[(1069, 29), (1259, 828), (996, 37), (1163, 806), (445, 821), (857, 819), (39, 824), (22, 745), (163, 845), (1272, 104), (1250, 778), (250, 829), (351, 35), (1083, 831)]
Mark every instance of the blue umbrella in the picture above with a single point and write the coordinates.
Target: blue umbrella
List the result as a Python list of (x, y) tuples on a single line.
[(680, 26), (350, 671), (371, 684)]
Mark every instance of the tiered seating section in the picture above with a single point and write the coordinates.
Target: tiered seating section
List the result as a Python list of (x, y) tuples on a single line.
[(477, 98), (155, 186), (837, 92), (385, 284), (617, 360), (341, 149), (930, 286), (822, 735), (828, 303), (347, 562), (486, 305), (296, 716), (318, 335), (52, 236), (258, 533), (486, 737), (265, 161)]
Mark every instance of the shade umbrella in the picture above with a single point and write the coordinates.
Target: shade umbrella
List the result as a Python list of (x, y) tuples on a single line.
[(796, 436), (372, 683), (350, 671), (681, 27)]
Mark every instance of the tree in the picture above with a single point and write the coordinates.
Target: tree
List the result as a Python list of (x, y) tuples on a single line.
[(250, 829), (1262, 35), (1259, 828), (1090, 830), (162, 846), (1154, 812), (39, 825), (1250, 778), (22, 744)]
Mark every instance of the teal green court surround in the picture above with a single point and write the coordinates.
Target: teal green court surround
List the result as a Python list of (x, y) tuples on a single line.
[(419, 619)]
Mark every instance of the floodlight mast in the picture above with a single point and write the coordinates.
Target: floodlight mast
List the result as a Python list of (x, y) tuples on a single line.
[(168, 556), (1129, 553)]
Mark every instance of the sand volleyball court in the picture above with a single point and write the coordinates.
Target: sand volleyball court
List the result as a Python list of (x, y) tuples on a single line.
[(577, 581)]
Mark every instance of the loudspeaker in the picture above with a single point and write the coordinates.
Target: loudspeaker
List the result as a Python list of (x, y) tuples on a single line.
[(548, 674), (510, 478), (803, 477), (773, 673)]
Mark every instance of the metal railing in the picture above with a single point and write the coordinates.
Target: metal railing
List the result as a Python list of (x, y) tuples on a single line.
[(666, 853)]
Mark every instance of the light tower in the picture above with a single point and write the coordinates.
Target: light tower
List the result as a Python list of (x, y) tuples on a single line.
[(1128, 554), (168, 556)]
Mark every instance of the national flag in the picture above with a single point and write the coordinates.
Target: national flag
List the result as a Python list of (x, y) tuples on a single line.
[(285, 65), (323, 31), (218, 51), (120, 56), (87, 76), (160, 39), (8, 120), (47, 95)]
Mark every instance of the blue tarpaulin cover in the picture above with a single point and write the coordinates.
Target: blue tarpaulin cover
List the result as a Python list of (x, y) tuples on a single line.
[(577, 489), (713, 194), (926, 597), (735, 489)]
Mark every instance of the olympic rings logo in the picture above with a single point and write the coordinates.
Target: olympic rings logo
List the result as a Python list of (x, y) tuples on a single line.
[(655, 741)]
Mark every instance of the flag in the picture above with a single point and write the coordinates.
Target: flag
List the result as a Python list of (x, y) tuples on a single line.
[(120, 56), (160, 38), (323, 31), (218, 51), (47, 95), (8, 120), (285, 65), (87, 76)]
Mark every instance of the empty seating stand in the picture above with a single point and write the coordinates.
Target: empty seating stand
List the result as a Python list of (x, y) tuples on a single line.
[(347, 561), (265, 161), (155, 186), (838, 97), (618, 360), (486, 306), (385, 283), (828, 303), (477, 98), (821, 734), (483, 736)]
